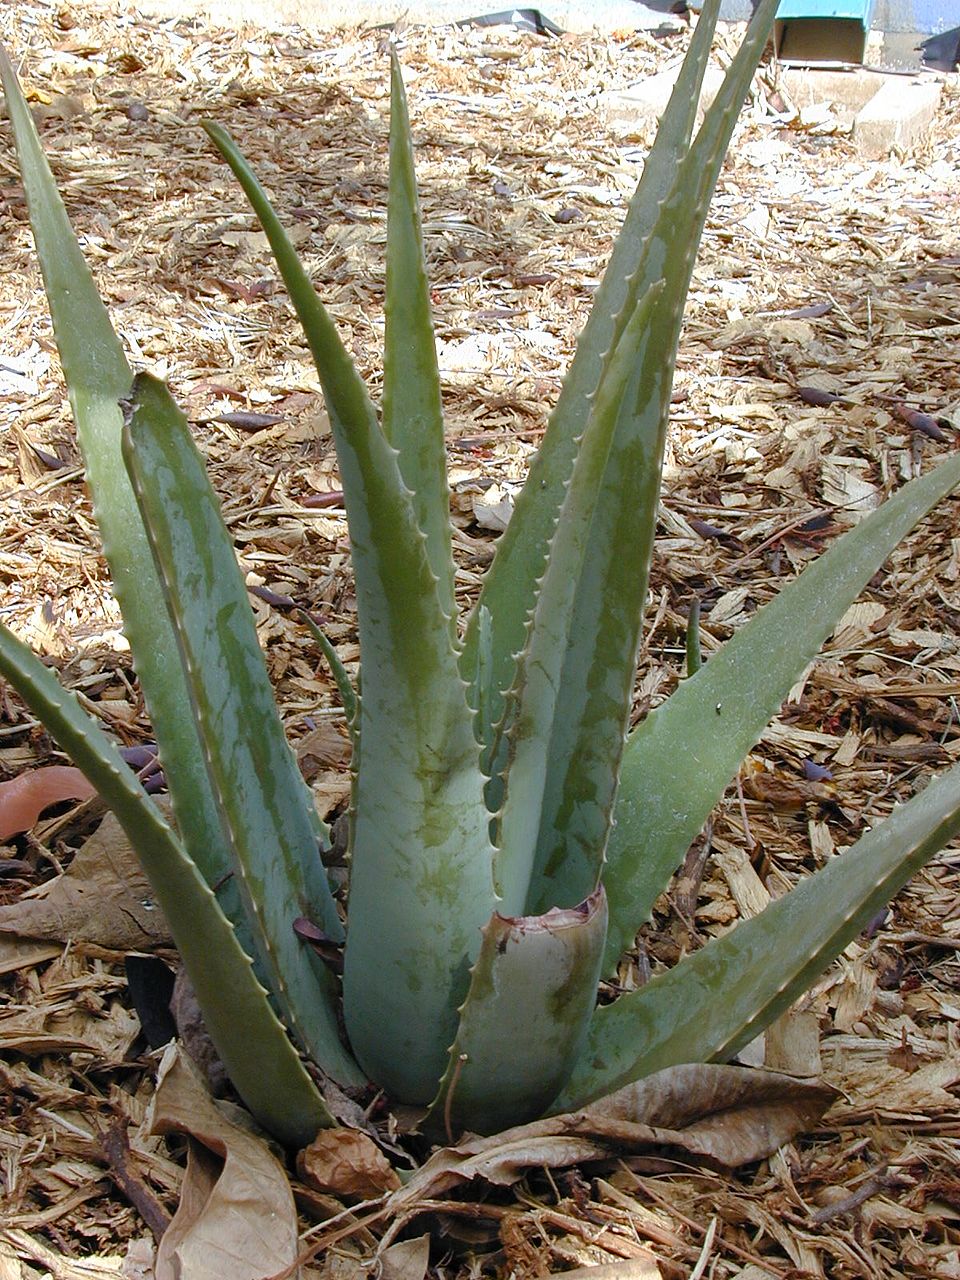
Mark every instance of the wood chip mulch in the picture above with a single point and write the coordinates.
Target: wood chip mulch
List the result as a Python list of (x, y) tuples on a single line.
[(819, 270)]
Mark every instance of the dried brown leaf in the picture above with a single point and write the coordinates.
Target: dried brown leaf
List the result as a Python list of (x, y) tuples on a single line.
[(103, 897), (406, 1260), (348, 1163), (236, 1216), (727, 1115)]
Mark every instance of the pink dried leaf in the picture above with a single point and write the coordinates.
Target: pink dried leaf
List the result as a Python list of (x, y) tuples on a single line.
[(24, 798)]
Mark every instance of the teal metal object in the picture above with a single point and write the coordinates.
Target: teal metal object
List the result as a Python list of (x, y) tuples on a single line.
[(823, 31), (855, 10)]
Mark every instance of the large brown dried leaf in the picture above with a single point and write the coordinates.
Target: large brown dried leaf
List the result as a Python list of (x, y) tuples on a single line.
[(236, 1217), (103, 897), (727, 1115)]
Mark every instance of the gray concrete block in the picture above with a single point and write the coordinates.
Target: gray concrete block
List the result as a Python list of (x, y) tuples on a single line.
[(847, 92), (897, 116), (640, 106)]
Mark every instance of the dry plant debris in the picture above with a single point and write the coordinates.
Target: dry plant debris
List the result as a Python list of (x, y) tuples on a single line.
[(824, 318)]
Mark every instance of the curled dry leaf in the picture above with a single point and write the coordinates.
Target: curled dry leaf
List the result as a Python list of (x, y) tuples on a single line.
[(24, 798), (727, 1115), (346, 1163), (236, 1216), (724, 1114), (922, 422)]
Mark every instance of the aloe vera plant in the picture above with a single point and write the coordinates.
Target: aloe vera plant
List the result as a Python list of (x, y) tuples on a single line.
[(507, 837)]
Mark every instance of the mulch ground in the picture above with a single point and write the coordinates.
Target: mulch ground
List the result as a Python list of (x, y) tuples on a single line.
[(819, 269)]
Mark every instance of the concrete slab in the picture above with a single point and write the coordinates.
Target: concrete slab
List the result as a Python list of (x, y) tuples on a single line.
[(640, 106), (581, 16), (897, 116), (847, 91), (884, 110)]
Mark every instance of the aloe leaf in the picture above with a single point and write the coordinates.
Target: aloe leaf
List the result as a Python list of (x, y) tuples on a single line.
[(621, 534), (255, 1050), (421, 883), (258, 788), (483, 688), (715, 1001), (509, 586), (421, 857), (348, 695), (575, 677), (412, 412), (694, 653), (97, 376), (524, 1022), (397, 592), (679, 760)]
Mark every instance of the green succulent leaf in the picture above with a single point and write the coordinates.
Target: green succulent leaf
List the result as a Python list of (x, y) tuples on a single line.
[(421, 885), (715, 1001), (412, 412), (666, 254), (621, 537), (680, 759), (575, 677), (693, 650), (483, 689), (510, 584), (421, 856), (348, 695), (255, 779), (524, 1022), (254, 1047), (97, 376)]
